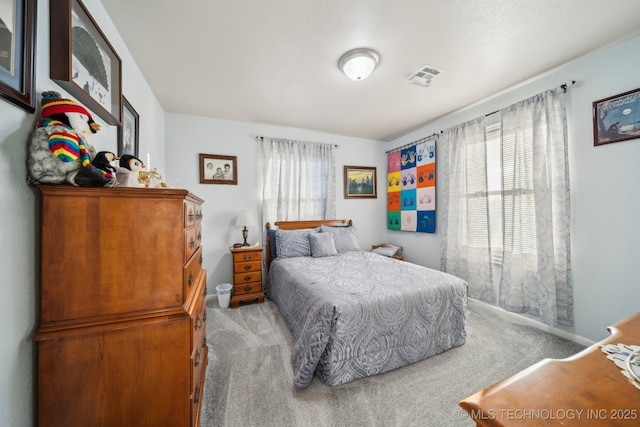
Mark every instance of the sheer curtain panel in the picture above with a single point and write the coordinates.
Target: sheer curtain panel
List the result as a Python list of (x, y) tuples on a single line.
[(536, 266), (299, 180), (465, 209), (505, 226)]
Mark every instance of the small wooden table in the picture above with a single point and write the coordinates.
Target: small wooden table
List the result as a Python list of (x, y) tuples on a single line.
[(247, 275), (586, 389)]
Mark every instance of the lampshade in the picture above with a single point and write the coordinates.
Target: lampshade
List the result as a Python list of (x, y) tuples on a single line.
[(359, 63), (245, 218)]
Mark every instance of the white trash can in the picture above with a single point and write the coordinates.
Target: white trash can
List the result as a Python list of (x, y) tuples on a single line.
[(224, 294)]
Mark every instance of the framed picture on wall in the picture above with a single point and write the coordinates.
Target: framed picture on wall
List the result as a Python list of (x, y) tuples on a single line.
[(129, 131), (83, 62), (360, 182), (216, 169), (17, 52), (616, 118)]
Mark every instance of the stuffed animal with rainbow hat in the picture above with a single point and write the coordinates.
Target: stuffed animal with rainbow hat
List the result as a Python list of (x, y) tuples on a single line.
[(60, 151)]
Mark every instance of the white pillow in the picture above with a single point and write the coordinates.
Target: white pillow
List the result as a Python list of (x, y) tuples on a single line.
[(346, 238), (322, 244), (386, 251)]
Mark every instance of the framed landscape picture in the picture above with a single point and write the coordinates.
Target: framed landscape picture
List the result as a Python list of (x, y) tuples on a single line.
[(360, 182), (216, 169)]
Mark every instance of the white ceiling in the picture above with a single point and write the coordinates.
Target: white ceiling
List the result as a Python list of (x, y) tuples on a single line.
[(275, 61)]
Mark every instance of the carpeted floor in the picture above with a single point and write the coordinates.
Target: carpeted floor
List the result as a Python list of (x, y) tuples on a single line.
[(249, 380)]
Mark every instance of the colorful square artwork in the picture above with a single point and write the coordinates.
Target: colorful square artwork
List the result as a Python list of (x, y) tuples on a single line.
[(411, 187)]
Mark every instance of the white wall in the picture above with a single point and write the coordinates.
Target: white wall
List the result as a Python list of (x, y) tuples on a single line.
[(187, 136), (605, 198), (19, 208)]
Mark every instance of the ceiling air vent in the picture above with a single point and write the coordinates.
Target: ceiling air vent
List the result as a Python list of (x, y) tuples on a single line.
[(424, 75)]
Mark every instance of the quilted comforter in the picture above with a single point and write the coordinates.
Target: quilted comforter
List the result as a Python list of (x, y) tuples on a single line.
[(359, 314)]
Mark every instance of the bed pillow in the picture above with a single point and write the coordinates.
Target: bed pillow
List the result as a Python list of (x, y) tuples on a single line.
[(345, 238), (386, 251), (322, 244), (293, 243)]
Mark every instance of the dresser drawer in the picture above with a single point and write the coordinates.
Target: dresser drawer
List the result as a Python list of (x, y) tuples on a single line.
[(247, 288), (252, 276), (241, 256), (197, 381), (192, 214), (192, 240), (245, 267), (191, 273)]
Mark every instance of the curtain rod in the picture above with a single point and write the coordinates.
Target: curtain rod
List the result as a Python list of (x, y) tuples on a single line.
[(261, 138), (563, 86), (435, 135)]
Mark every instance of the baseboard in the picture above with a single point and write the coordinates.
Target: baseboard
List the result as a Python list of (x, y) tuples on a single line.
[(536, 324)]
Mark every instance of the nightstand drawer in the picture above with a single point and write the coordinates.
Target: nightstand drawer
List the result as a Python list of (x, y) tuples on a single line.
[(247, 256), (245, 267), (253, 276), (247, 288)]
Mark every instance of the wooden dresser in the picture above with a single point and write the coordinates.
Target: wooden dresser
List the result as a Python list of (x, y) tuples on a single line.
[(584, 390), (121, 340), (247, 275)]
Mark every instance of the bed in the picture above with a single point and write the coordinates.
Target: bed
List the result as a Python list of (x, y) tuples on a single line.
[(355, 313)]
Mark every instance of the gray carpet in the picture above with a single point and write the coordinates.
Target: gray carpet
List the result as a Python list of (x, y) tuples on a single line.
[(249, 380)]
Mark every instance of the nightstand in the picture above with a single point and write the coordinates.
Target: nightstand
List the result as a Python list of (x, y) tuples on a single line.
[(247, 275)]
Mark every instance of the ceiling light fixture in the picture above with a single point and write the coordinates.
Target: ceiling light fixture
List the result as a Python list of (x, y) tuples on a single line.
[(359, 63)]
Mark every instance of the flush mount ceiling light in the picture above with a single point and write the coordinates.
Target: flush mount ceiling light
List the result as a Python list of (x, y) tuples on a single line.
[(359, 63)]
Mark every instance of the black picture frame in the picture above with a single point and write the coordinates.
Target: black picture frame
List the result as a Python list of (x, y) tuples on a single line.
[(17, 74), (360, 182), (616, 118), (129, 130), (215, 169), (83, 62)]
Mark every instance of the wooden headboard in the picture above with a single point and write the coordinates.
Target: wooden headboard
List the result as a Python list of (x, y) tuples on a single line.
[(298, 225)]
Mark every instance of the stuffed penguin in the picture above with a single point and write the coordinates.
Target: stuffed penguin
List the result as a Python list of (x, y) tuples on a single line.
[(127, 172), (104, 161), (59, 149)]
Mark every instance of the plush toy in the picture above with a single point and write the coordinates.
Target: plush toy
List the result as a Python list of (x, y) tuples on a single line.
[(127, 172), (59, 150)]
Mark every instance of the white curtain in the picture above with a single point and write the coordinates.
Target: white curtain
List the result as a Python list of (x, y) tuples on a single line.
[(464, 208), (509, 221), (299, 181), (536, 270)]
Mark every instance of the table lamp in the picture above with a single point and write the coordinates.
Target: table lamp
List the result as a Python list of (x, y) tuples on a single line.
[(244, 219)]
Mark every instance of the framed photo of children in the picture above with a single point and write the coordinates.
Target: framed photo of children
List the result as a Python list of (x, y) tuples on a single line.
[(216, 169)]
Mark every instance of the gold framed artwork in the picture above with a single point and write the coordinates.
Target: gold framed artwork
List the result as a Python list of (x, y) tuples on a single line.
[(360, 182)]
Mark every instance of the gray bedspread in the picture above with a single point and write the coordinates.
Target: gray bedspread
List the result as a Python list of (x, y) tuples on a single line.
[(359, 314)]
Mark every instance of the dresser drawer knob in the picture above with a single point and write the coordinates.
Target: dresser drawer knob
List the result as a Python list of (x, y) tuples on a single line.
[(192, 243), (247, 267), (247, 257), (191, 216), (200, 259), (247, 288), (190, 278), (199, 237), (196, 362), (196, 395), (198, 324), (247, 277), (204, 341)]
